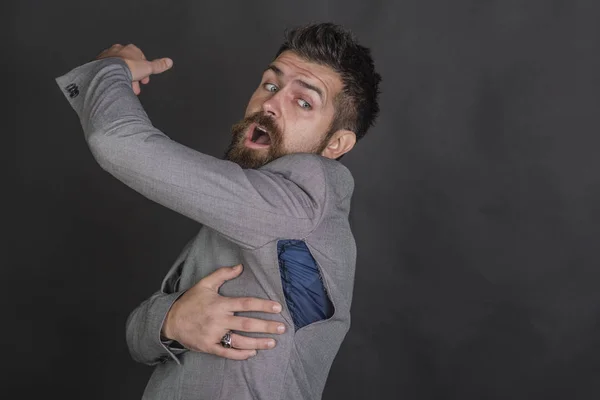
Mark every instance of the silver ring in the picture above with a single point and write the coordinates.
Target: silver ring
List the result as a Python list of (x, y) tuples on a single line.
[(226, 340)]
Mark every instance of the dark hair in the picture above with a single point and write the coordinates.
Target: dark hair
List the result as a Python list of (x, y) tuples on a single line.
[(356, 107)]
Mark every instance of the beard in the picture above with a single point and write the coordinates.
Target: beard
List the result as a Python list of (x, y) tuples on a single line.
[(254, 158)]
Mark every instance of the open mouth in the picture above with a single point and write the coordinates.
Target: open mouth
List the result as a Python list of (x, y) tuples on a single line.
[(258, 136)]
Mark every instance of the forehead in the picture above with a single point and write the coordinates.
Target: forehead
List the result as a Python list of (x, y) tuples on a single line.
[(295, 67)]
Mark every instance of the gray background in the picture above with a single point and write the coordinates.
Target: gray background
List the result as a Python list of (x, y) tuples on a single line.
[(476, 210)]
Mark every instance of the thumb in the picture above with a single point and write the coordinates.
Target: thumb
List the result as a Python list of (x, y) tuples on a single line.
[(219, 276), (160, 65)]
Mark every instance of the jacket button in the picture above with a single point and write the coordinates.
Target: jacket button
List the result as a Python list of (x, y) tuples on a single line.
[(73, 90)]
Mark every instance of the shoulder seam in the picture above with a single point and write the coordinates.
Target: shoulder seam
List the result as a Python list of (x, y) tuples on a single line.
[(325, 200)]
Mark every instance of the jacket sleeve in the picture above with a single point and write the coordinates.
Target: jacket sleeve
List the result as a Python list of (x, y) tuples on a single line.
[(144, 324), (251, 207), (143, 331)]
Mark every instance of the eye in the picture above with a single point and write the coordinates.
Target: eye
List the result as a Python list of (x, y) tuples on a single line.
[(304, 104), (271, 87)]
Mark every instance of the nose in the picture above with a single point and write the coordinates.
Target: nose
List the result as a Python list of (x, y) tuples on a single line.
[(272, 105)]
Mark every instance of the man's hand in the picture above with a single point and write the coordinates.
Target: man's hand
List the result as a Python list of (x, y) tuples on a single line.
[(140, 68), (201, 316)]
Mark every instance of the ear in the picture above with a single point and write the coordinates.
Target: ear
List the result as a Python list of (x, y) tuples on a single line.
[(340, 143)]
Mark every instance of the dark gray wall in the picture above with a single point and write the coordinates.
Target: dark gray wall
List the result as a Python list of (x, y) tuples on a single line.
[(476, 211)]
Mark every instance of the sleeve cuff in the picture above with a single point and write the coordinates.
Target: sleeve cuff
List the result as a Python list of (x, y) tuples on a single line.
[(78, 79), (144, 331), (161, 308)]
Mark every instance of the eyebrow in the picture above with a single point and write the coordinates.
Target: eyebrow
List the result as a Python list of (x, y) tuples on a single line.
[(302, 83)]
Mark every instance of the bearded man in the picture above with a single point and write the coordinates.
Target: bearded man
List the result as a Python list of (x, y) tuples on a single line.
[(278, 204)]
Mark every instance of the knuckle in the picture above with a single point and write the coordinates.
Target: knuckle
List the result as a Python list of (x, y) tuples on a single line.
[(262, 344), (247, 324), (218, 351), (203, 283), (210, 320), (241, 342), (218, 305), (219, 273), (246, 304)]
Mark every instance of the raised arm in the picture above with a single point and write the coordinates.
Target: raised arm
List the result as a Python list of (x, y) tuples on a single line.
[(251, 207)]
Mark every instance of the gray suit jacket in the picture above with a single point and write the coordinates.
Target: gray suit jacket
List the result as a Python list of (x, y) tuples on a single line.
[(244, 213)]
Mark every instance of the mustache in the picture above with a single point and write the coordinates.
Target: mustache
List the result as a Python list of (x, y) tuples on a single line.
[(264, 121)]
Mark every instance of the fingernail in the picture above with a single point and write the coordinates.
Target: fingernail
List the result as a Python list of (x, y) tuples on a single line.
[(237, 267), (169, 62), (253, 353), (277, 308), (281, 329), (271, 344)]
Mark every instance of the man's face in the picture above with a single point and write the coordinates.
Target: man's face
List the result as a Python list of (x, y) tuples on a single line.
[(291, 111)]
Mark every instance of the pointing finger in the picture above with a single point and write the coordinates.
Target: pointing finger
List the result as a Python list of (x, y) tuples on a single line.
[(160, 65)]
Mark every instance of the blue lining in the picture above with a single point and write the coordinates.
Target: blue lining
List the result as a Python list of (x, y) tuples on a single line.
[(305, 293)]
